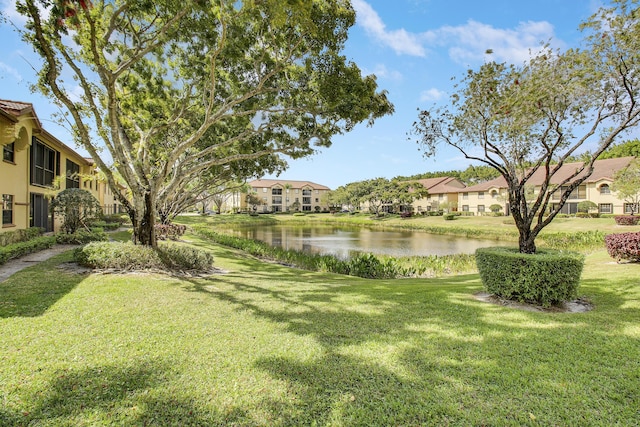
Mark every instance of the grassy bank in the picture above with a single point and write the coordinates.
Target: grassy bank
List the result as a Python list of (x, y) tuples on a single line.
[(264, 344)]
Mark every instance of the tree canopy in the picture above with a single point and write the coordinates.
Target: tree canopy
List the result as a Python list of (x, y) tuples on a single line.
[(530, 119), (167, 90)]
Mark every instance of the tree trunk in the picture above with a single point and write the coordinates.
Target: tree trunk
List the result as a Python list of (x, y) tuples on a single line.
[(143, 219), (527, 243)]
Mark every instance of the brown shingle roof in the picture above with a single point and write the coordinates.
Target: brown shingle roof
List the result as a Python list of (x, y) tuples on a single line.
[(442, 185), (602, 169)]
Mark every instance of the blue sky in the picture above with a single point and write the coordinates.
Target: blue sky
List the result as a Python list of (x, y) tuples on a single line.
[(414, 47)]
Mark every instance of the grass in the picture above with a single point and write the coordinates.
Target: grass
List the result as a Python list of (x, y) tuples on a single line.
[(268, 345)]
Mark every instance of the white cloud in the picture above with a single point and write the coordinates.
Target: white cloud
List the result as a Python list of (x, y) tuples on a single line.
[(8, 10), (381, 71), (466, 43), (432, 94), (401, 41), (8, 70)]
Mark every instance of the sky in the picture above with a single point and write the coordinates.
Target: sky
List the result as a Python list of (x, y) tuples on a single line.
[(414, 47)]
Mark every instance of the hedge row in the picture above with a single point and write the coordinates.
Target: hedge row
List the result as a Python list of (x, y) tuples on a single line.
[(623, 246), (547, 277), (127, 256), (16, 250), (22, 235)]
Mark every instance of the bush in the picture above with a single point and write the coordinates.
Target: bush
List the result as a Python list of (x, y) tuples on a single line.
[(627, 219), (449, 216), (587, 215), (117, 255), (16, 250), (17, 236), (623, 246), (109, 226), (368, 266), (547, 278), (80, 237), (170, 231), (127, 256), (182, 257)]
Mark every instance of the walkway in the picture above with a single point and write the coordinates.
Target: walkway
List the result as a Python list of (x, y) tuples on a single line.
[(14, 265)]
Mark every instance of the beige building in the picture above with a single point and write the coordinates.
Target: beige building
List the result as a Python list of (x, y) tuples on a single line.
[(275, 195), (443, 194), (35, 165), (597, 189)]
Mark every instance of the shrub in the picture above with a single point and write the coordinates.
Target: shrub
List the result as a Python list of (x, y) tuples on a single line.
[(547, 278), (449, 216), (109, 226), (406, 214), (495, 208), (17, 236), (627, 219), (80, 237), (117, 255), (127, 256), (16, 250), (623, 246), (367, 265), (77, 207), (170, 231), (182, 257)]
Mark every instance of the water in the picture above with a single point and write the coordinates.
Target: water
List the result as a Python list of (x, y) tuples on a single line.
[(342, 241)]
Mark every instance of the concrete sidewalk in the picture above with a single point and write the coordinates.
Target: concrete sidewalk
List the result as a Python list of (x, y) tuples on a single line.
[(14, 265)]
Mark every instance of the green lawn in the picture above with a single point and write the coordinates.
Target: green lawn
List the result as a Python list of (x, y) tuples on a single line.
[(263, 344)]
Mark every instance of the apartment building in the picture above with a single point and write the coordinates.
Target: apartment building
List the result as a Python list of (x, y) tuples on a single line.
[(275, 195), (443, 194), (597, 189), (34, 163)]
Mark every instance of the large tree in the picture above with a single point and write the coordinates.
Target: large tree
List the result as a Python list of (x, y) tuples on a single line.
[(529, 119), (257, 78)]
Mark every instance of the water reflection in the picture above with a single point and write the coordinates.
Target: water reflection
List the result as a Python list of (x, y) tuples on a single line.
[(341, 241)]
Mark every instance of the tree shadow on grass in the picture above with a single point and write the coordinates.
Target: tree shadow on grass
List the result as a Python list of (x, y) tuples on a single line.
[(136, 395), (26, 294), (425, 352)]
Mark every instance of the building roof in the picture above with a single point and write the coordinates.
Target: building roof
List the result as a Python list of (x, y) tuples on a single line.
[(268, 183), (602, 169), (441, 185), (17, 109)]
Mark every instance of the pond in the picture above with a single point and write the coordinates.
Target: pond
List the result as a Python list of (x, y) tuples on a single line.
[(341, 241)]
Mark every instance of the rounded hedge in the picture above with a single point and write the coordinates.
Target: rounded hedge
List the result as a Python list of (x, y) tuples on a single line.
[(548, 277)]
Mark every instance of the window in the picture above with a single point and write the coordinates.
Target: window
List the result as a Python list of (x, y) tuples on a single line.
[(306, 192), (264, 190), (7, 209), (45, 164), (306, 200), (578, 193), (317, 200), (306, 208), (73, 175), (494, 194), (276, 200), (465, 196), (440, 197), (480, 194), (604, 189), (276, 191), (8, 152), (605, 208), (480, 208), (465, 208), (631, 208)]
